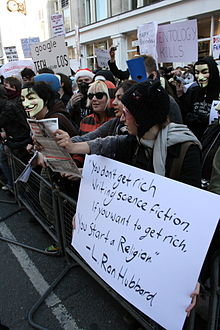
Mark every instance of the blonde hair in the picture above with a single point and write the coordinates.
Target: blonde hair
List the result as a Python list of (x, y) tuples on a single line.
[(98, 86)]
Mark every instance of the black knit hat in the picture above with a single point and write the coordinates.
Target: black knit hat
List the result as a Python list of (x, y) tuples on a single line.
[(107, 74), (149, 103)]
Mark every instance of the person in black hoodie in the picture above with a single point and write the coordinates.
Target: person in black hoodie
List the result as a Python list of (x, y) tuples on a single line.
[(197, 101), (41, 102), (15, 131)]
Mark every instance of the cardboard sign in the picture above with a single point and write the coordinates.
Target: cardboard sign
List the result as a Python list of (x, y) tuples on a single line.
[(25, 44), (51, 53), (102, 57), (178, 42), (57, 25), (137, 69), (14, 68), (142, 233), (11, 53), (216, 47), (147, 39)]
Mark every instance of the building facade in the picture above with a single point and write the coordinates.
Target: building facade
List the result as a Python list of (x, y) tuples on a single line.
[(103, 23)]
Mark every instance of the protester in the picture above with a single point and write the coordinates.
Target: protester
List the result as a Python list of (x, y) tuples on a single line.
[(45, 70), (153, 144), (153, 73), (98, 100), (77, 105), (15, 134), (105, 75), (197, 101), (121, 75), (65, 90), (40, 102), (27, 75), (210, 143), (114, 126)]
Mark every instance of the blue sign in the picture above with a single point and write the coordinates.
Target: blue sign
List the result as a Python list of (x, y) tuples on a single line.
[(137, 69)]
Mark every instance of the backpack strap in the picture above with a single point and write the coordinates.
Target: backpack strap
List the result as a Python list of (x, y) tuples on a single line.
[(177, 163)]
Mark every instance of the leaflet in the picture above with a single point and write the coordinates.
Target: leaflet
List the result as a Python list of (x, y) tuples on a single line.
[(56, 157)]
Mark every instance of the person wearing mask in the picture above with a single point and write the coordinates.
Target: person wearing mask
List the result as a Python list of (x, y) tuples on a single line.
[(196, 102), (77, 105), (40, 102)]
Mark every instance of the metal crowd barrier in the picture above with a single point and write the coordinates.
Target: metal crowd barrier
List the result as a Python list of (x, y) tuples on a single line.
[(42, 200)]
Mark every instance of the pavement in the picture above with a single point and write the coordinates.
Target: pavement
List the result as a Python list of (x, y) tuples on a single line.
[(78, 302)]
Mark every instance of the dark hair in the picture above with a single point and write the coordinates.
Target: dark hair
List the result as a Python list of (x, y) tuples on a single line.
[(14, 82), (126, 84), (43, 90), (45, 70), (27, 73), (67, 84)]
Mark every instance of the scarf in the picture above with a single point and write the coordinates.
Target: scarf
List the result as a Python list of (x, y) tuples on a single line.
[(170, 135)]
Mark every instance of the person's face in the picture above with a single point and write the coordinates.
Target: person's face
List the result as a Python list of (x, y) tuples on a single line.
[(117, 104), (202, 74), (8, 86), (130, 122), (98, 101), (32, 103), (27, 79), (84, 79)]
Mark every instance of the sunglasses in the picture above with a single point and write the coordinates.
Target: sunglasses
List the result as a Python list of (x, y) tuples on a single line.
[(98, 95)]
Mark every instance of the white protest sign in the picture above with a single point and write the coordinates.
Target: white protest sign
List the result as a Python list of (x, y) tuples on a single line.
[(25, 44), (216, 47), (51, 53), (57, 25), (11, 53), (147, 39), (141, 233), (213, 112), (74, 64), (14, 68), (177, 42), (102, 57)]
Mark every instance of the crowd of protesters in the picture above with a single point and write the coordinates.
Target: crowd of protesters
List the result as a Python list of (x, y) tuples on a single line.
[(161, 125)]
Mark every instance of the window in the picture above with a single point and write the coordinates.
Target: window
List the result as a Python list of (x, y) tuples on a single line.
[(132, 48), (101, 9), (204, 27), (66, 18), (96, 10), (64, 3), (216, 25), (90, 51)]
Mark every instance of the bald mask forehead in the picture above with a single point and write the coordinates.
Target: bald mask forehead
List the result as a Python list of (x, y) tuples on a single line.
[(202, 74), (32, 103)]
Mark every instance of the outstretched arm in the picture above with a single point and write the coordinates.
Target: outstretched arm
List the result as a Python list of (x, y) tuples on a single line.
[(63, 140)]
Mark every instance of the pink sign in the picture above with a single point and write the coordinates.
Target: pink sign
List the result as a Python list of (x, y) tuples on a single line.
[(178, 42)]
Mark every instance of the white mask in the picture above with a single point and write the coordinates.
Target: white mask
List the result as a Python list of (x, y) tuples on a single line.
[(32, 103), (202, 74)]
